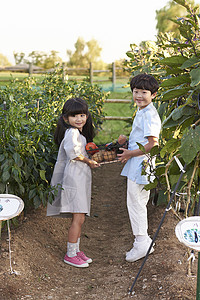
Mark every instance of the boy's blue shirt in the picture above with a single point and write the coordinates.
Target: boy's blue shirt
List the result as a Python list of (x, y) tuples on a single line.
[(146, 123)]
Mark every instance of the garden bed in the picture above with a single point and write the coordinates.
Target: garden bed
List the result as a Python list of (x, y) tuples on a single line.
[(39, 245)]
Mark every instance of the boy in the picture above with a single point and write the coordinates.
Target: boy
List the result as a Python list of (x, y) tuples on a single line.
[(145, 130)]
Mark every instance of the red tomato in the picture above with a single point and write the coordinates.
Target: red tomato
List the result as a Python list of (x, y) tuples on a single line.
[(91, 148)]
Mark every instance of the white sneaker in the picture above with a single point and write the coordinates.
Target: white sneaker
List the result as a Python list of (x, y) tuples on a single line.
[(139, 250)]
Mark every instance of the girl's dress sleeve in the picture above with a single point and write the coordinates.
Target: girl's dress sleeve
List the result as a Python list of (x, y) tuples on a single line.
[(72, 143)]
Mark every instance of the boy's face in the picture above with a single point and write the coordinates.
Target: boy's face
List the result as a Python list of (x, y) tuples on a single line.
[(142, 97)]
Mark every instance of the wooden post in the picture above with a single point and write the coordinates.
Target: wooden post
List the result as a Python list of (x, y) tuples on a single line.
[(91, 73), (30, 70), (113, 76), (63, 72)]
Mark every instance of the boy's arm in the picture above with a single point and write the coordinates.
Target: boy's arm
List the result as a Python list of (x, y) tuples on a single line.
[(127, 154)]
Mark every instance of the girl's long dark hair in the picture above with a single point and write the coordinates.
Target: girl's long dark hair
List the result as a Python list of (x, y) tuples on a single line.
[(72, 107)]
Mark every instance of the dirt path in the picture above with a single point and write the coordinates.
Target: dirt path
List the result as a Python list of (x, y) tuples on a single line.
[(39, 245)]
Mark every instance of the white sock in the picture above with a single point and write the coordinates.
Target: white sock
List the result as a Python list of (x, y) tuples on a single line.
[(78, 245), (141, 238), (71, 249)]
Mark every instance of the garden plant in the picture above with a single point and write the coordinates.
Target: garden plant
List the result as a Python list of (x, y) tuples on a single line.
[(175, 62), (28, 116)]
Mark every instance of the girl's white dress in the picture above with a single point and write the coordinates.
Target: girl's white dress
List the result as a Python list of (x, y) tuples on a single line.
[(74, 177)]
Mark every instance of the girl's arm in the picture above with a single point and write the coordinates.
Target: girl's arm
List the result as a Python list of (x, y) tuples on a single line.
[(91, 163), (127, 154)]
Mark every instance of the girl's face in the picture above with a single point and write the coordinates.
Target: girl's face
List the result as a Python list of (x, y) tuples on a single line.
[(77, 121)]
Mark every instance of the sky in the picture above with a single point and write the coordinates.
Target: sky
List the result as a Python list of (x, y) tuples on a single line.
[(45, 25)]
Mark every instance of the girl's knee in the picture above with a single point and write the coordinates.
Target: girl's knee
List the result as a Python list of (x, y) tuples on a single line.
[(79, 218)]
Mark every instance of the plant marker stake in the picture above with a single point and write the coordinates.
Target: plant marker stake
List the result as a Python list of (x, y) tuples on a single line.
[(155, 235), (198, 269), (11, 206)]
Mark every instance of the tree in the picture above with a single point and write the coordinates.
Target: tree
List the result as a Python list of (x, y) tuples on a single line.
[(19, 57), (39, 58), (94, 51), (85, 52), (165, 15), (77, 58), (4, 62), (52, 60)]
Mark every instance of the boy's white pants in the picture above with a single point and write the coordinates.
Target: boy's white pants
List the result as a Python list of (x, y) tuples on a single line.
[(137, 199)]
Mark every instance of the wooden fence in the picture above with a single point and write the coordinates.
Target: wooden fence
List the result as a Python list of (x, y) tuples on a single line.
[(30, 69), (90, 72)]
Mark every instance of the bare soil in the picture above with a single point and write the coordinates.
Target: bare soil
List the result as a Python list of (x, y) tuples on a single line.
[(39, 244)]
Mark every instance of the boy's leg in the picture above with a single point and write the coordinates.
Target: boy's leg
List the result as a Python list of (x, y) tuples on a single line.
[(137, 199)]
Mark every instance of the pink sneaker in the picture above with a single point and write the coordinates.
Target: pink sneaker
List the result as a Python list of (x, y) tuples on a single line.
[(82, 255), (75, 261)]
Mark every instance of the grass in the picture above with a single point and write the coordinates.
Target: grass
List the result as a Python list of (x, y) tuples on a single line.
[(111, 129)]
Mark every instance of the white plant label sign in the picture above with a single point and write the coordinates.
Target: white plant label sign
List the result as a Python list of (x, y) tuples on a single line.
[(10, 206), (188, 232)]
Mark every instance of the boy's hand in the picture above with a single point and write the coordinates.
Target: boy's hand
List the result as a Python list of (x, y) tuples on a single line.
[(126, 155)]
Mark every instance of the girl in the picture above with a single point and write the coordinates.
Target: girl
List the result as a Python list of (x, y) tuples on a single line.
[(72, 175)]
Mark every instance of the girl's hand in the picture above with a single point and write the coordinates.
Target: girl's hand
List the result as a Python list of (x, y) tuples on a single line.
[(93, 164), (126, 155)]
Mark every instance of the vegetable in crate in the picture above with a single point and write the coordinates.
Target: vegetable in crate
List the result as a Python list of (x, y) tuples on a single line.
[(91, 148), (122, 142), (122, 139), (98, 156), (109, 155)]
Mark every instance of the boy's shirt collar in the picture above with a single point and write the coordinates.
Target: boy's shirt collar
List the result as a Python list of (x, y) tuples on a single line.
[(144, 109)]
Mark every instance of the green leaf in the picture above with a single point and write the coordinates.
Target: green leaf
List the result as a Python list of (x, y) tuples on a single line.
[(173, 71), (190, 145), (173, 60), (17, 159), (171, 146), (162, 197), (175, 93), (42, 175), (151, 185), (141, 147), (21, 188), (2, 187), (169, 123), (2, 157), (195, 76), (5, 176), (179, 112), (155, 150), (174, 81), (190, 62), (36, 201), (160, 170), (32, 193)]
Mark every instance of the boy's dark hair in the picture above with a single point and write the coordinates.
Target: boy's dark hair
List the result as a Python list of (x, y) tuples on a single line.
[(72, 107), (144, 82)]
